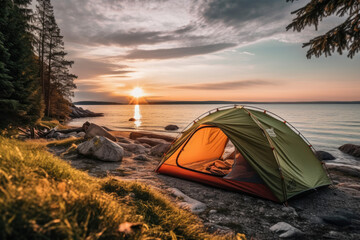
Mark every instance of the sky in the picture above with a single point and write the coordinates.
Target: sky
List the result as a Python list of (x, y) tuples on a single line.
[(219, 50)]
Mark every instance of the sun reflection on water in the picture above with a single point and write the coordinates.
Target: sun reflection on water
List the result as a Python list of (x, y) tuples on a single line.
[(137, 116)]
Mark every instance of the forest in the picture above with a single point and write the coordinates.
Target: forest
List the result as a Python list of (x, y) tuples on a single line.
[(35, 74)]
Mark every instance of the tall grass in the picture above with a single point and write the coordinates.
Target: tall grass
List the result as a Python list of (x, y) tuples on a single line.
[(42, 197)]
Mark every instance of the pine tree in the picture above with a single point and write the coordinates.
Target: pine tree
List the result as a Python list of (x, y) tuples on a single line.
[(345, 36), (57, 81), (21, 105)]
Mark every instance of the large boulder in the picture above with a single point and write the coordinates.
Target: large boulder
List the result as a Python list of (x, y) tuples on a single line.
[(136, 135), (151, 141), (351, 149), (92, 130), (159, 150), (322, 155), (171, 127), (132, 147), (101, 148)]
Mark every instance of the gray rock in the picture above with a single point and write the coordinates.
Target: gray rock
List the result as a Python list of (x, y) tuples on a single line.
[(93, 130), (337, 220), (141, 157), (72, 134), (193, 205), (289, 210), (160, 150), (171, 127), (286, 230), (101, 148), (151, 141), (80, 134), (134, 148), (322, 155), (351, 149), (127, 154), (212, 211)]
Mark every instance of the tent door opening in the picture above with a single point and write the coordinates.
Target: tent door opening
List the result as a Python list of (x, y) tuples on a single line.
[(211, 152)]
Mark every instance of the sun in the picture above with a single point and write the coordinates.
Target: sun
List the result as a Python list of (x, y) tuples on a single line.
[(137, 92)]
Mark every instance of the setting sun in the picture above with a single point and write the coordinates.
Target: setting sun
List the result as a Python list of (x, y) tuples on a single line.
[(137, 92)]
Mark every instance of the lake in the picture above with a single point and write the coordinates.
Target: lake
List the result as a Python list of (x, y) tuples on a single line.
[(326, 126)]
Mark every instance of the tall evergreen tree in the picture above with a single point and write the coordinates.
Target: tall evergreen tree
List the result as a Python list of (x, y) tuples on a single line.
[(345, 36), (21, 105), (57, 81)]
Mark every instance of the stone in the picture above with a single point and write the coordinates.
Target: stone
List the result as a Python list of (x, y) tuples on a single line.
[(72, 134), (123, 140), (92, 130), (101, 148), (325, 156), (212, 211), (337, 220), (141, 157), (346, 169), (79, 112), (132, 119), (193, 205), (134, 148), (160, 150), (286, 230), (171, 127), (151, 141), (351, 149), (289, 210), (81, 134), (136, 135)]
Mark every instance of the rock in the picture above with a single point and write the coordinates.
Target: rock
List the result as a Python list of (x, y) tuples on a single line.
[(346, 169), (160, 150), (146, 145), (285, 230), (101, 148), (123, 140), (92, 130), (127, 154), (171, 127), (334, 235), (325, 156), (289, 210), (212, 211), (134, 148), (72, 134), (337, 220), (151, 141), (81, 134), (194, 205), (141, 157), (136, 135), (79, 112), (351, 149), (132, 119)]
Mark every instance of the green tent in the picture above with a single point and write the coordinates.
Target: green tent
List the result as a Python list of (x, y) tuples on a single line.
[(273, 160)]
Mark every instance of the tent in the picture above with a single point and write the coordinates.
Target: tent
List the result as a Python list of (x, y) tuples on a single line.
[(270, 158)]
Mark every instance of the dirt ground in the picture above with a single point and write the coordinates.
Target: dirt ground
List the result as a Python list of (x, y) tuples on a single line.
[(228, 212)]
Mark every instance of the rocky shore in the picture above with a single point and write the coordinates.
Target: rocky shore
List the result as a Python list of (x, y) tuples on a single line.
[(329, 213), (79, 112)]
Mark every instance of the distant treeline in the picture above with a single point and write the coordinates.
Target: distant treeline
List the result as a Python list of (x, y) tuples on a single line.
[(35, 77)]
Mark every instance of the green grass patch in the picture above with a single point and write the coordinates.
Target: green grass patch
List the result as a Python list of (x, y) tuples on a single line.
[(43, 197)]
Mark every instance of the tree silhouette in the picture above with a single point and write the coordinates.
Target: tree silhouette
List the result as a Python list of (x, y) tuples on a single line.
[(344, 37)]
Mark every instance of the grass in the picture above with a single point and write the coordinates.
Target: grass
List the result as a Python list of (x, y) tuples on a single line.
[(43, 197)]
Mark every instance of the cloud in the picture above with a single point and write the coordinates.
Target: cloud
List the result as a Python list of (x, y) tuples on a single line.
[(88, 68), (230, 85), (243, 11), (178, 52)]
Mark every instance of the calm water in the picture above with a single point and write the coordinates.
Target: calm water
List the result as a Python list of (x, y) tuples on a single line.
[(326, 126)]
